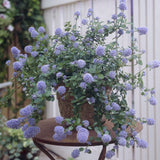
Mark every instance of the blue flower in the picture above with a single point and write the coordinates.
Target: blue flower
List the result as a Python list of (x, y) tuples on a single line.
[(45, 36), (81, 63), (8, 62), (106, 138), (153, 91), (82, 135), (83, 85), (134, 133), (77, 13), (120, 31), (122, 1), (72, 38), (87, 77), (142, 30), (25, 126), (75, 153), (122, 6), (41, 86), (34, 34), (57, 137), (84, 21), (13, 123), (15, 74), (17, 66), (99, 135), (31, 121), (78, 127), (68, 132), (75, 45), (110, 154), (45, 68), (128, 87), (122, 15), (101, 31), (97, 61), (59, 74), (108, 108), (54, 66), (34, 53), (91, 100), (41, 29), (154, 64), (131, 112), (58, 32), (26, 111), (59, 119), (141, 143), (85, 123), (114, 16), (122, 141), (131, 142), (31, 131), (30, 29), (125, 60), (127, 52), (61, 90), (15, 52), (59, 130), (112, 74), (115, 106), (124, 127), (152, 101), (100, 51), (90, 11), (28, 49), (123, 134), (113, 53), (150, 121)]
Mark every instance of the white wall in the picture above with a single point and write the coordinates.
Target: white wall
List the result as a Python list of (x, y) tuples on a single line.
[(146, 13)]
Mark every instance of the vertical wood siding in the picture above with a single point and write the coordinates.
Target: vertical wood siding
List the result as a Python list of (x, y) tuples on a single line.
[(146, 13)]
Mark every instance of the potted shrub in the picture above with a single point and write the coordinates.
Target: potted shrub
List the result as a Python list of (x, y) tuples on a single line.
[(86, 71)]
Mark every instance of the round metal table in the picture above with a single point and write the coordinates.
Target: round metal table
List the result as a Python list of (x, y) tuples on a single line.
[(47, 131)]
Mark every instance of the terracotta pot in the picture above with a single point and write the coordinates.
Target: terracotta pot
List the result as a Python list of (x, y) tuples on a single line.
[(66, 108)]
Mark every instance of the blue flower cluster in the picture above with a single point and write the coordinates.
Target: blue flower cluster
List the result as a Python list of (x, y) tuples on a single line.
[(82, 135), (106, 138), (87, 77), (59, 119), (26, 111), (81, 63), (15, 52), (59, 133), (41, 86), (100, 51), (61, 90), (110, 154), (142, 30), (75, 153), (45, 68)]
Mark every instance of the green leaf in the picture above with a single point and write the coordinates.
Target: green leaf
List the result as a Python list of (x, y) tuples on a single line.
[(100, 76), (81, 149)]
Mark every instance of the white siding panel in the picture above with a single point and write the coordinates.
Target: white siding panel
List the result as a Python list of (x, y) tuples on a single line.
[(137, 102), (156, 17), (150, 77)]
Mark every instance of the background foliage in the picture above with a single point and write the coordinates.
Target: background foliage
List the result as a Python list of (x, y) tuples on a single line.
[(14, 144), (21, 15)]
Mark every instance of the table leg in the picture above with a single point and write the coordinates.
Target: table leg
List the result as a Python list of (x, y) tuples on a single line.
[(103, 152), (41, 147)]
